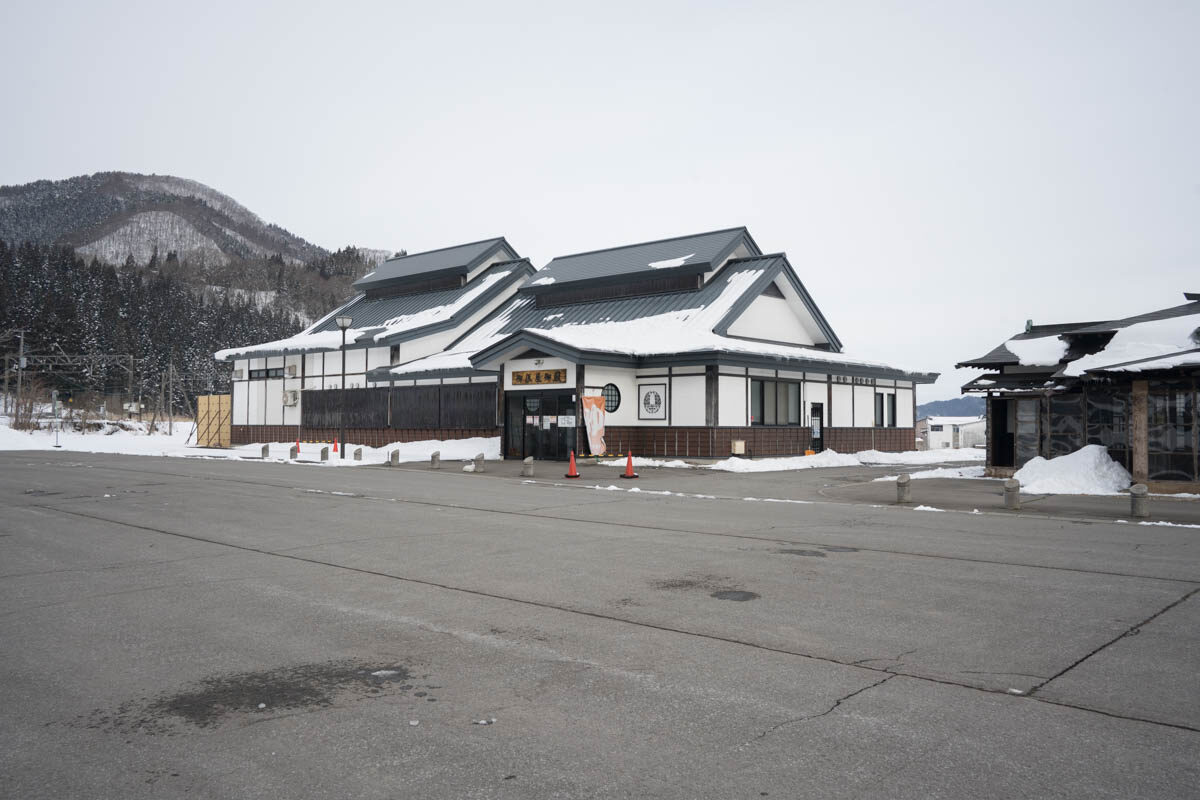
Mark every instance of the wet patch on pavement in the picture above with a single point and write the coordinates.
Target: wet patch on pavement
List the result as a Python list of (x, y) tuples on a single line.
[(736, 595), (215, 700), (810, 553)]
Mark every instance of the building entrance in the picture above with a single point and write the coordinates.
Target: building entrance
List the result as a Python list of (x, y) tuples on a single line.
[(540, 424)]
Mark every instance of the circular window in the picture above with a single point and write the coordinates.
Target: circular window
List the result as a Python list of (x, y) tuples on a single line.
[(612, 397)]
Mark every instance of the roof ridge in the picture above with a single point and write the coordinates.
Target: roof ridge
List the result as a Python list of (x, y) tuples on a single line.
[(760, 257), (652, 241), (447, 247)]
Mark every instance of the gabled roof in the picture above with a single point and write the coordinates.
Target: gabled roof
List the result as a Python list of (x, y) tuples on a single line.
[(457, 259), (673, 328), (691, 254), (389, 320)]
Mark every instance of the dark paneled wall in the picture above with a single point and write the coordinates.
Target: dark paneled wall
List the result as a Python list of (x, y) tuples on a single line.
[(449, 406)]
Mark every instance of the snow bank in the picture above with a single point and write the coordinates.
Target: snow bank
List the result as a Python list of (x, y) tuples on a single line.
[(181, 445), (1089, 470), (825, 458), (1044, 351), (642, 461), (917, 457), (940, 472)]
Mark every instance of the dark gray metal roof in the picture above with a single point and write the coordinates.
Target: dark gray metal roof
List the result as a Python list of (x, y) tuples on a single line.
[(526, 314), (371, 313), (460, 258), (1184, 310), (704, 250)]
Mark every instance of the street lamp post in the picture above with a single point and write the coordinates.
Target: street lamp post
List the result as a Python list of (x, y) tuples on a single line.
[(343, 323)]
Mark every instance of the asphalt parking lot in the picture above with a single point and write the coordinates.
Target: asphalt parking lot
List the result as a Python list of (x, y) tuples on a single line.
[(175, 627)]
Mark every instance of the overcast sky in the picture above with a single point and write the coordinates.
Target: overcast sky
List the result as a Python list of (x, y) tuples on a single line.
[(937, 172)]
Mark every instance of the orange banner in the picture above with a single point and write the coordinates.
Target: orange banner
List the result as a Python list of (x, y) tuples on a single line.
[(593, 419)]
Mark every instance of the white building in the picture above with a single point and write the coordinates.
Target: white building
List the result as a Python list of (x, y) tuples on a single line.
[(936, 433)]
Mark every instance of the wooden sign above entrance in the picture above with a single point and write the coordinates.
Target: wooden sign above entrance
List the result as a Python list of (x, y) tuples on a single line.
[(534, 377)]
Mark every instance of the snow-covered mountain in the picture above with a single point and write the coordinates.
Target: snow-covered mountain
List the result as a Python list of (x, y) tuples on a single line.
[(115, 215)]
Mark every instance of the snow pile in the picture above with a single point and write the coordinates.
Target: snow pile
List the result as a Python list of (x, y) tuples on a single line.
[(825, 458), (940, 472), (1089, 470), (916, 457), (670, 262), (641, 461), (134, 441), (1045, 351)]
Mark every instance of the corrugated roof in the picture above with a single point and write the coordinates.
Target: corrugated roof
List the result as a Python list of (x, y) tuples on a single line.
[(369, 313), (459, 257), (681, 253)]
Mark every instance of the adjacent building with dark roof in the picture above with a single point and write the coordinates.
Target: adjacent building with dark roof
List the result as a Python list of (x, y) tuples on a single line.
[(1129, 384)]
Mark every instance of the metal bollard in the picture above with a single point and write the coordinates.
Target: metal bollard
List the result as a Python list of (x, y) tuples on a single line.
[(435, 460), (479, 462), (904, 488), (394, 458), (358, 454), (294, 452), (1012, 494), (324, 453), (266, 451), (526, 468), (1139, 502)]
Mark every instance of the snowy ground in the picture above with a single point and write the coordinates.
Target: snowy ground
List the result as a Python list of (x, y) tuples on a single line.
[(826, 458), (181, 444)]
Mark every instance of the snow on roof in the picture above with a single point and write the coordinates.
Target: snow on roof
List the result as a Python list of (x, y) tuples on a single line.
[(1157, 344), (1045, 351), (670, 262), (311, 340), (684, 323)]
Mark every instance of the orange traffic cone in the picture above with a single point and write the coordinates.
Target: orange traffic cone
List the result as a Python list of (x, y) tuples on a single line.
[(629, 473), (335, 444), (572, 472)]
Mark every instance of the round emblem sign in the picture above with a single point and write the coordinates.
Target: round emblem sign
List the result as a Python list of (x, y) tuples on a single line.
[(652, 401)]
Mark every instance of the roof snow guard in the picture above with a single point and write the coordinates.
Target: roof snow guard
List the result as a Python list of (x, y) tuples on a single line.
[(459, 259), (683, 255)]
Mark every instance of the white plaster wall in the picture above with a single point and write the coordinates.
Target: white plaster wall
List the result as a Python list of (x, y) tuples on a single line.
[(291, 414), (687, 400), (240, 395), (772, 319), (841, 415), (273, 410), (292, 363), (732, 395), (254, 401), (455, 380), (275, 362), (378, 357), (333, 382), (244, 365), (762, 373), (484, 379), (333, 363), (312, 383), (864, 406), (595, 378), (904, 408), (524, 364), (313, 364), (356, 361)]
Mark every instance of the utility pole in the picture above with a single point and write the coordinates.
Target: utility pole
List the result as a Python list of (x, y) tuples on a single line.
[(20, 367)]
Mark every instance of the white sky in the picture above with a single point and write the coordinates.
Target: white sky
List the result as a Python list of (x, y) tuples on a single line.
[(937, 172)]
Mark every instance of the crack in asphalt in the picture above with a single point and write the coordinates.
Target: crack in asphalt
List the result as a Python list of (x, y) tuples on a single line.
[(827, 711), (1131, 631), (622, 620)]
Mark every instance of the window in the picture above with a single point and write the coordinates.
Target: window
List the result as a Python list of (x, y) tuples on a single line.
[(891, 419), (774, 403), (394, 354), (935, 428), (879, 409), (612, 397), (262, 374)]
